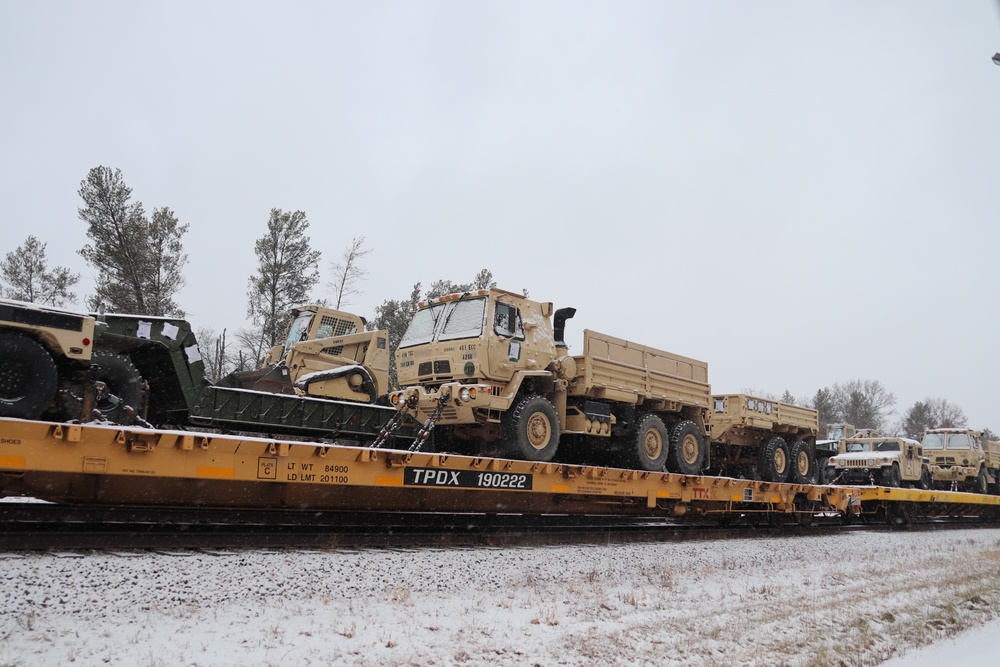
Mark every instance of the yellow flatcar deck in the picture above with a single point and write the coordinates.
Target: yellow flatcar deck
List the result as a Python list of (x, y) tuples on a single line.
[(94, 464)]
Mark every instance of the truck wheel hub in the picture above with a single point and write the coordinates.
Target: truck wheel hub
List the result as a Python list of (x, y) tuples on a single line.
[(539, 431), (653, 444)]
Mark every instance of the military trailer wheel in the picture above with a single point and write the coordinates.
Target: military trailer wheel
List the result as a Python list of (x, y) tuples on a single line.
[(773, 462), (687, 449), (647, 444), (803, 460), (890, 475), (28, 377), (530, 430), (123, 380)]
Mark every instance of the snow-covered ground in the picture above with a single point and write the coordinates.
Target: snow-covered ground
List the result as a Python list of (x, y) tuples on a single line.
[(849, 599)]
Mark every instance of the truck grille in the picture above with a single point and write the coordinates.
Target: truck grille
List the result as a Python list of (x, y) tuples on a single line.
[(439, 367), (858, 463)]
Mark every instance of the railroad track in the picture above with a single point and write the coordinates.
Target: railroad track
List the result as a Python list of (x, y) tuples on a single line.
[(36, 526)]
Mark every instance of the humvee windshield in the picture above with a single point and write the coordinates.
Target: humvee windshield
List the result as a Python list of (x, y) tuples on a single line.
[(859, 446), (446, 321), (887, 447), (947, 441)]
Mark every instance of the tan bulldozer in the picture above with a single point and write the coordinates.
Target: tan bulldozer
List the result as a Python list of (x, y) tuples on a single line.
[(326, 354)]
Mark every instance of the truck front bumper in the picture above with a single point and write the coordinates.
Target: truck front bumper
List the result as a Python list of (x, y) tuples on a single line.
[(460, 401)]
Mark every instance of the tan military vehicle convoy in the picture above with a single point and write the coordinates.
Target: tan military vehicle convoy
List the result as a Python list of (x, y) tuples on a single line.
[(490, 371), (962, 460), (880, 461)]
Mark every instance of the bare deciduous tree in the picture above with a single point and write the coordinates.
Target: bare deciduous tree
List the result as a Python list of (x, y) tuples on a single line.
[(347, 273)]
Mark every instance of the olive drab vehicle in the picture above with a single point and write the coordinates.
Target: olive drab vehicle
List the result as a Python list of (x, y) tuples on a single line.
[(881, 462), (326, 354), (961, 459), (489, 371), (45, 355)]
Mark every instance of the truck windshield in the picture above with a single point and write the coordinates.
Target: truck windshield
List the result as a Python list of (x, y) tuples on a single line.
[(946, 441), (298, 329), (463, 320), (421, 328)]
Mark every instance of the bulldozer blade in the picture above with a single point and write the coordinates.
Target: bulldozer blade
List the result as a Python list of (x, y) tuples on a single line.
[(273, 380)]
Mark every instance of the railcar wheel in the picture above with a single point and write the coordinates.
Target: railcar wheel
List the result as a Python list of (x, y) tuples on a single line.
[(530, 430), (124, 382), (687, 449), (803, 469), (890, 476), (773, 461), (28, 377), (647, 444)]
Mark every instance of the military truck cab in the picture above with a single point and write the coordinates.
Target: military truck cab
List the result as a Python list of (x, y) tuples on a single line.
[(961, 460), (880, 462)]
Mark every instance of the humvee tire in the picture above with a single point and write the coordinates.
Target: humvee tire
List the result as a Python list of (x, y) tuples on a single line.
[(28, 377), (530, 430), (891, 476)]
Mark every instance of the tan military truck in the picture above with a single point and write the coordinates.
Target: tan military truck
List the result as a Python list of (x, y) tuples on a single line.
[(326, 354), (43, 352), (961, 460), (880, 461), (493, 375), (760, 438)]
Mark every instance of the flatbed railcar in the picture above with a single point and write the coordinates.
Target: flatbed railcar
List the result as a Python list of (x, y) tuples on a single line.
[(100, 464)]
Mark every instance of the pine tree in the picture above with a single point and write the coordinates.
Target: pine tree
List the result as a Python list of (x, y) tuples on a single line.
[(25, 271), (138, 260)]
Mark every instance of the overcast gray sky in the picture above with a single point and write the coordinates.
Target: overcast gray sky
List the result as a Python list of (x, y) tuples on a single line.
[(797, 193)]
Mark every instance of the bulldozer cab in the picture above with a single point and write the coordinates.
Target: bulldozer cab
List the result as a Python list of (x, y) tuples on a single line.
[(312, 322), (326, 354)]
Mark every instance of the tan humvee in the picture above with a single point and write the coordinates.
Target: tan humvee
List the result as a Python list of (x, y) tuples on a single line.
[(326, 354), (880, 461), (494, 375), (961, 460), (43, 352)]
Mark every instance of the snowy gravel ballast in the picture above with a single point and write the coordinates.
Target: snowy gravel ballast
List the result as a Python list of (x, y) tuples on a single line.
[(847, 599)]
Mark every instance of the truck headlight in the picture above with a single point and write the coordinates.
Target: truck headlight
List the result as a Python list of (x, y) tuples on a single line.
[(465, 395)]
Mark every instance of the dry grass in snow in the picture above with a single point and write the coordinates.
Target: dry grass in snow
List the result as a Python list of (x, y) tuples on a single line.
[(848, 599)]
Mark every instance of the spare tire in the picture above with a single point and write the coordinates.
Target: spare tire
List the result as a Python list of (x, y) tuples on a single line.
[(28, 377)]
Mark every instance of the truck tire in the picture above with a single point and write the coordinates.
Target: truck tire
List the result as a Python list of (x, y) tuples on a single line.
[(28, 377), (530, 430), (687, 449), (647, 444), (803, 461), (980, 484), (890, 476), (773, 461), (124, 382)]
